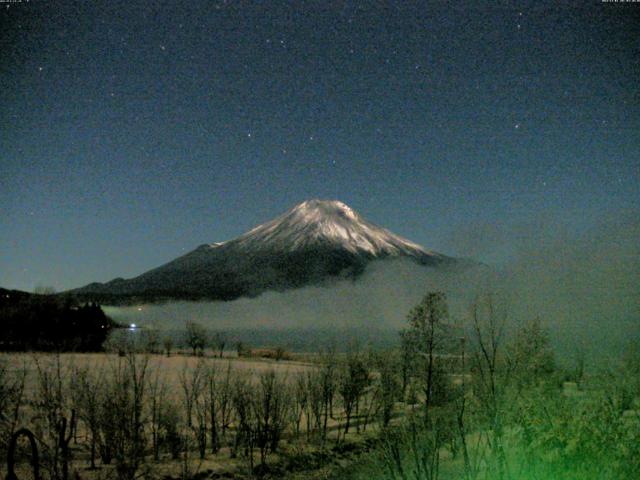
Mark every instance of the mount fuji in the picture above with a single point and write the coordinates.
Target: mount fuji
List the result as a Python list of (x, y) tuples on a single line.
[(315, 242)]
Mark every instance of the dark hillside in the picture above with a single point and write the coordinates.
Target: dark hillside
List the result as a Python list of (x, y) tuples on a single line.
[(50, 323)]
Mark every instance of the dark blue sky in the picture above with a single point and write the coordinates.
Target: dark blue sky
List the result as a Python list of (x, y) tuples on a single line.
[(132, 131)]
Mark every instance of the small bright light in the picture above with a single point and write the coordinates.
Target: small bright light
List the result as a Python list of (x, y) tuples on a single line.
[(132, 326)]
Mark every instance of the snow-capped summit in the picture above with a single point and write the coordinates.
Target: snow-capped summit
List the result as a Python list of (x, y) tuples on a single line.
[(312, 242), (321, 222)]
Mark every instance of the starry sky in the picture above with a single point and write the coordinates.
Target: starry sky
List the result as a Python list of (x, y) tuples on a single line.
[(133, 131)]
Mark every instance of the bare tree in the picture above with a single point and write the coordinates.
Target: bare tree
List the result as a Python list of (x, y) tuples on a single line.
[(107, 422), (245, 421), (425, 338), (125, 402), (224, 389), (218, 402), (529, 354), (386, 388), (195, 337), (56, 416), (411, 451), (169, 431), (194, 382), (320, 386), (121, 341), (492, 371), (271, 411), (329, 364), (12, 393), (167, 342), (219, 341), (328, 384), (150, 341), (300, 401), (407, 361), (314, 403), (157, 394), (11, 453), (87, 397), (459, 404), (353, 380)]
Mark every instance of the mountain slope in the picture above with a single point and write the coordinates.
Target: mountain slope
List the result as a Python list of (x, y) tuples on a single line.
[(311, 243)]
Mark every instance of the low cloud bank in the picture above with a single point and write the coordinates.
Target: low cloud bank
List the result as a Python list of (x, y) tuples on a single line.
[(584, 287)]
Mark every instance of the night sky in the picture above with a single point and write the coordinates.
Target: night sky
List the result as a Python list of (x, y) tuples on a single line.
[(131, 132)]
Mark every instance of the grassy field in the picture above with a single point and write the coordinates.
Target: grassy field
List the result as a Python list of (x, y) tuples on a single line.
[(170, 367)]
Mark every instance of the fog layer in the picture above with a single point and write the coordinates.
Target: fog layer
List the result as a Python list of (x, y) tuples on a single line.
[(584, 287)]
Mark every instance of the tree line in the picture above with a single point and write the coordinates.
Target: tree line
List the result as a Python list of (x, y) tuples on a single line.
[(474, 399), (47, 322), (127, 414), (495, 404)]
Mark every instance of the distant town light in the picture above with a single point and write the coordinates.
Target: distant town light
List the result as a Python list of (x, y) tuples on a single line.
[(132, 326)]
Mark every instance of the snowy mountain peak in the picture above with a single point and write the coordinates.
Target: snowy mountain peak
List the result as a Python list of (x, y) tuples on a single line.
[(317, 210), (328, 222), (309, 244)]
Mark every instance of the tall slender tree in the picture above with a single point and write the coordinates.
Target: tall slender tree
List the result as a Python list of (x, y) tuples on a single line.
[(424, 339)]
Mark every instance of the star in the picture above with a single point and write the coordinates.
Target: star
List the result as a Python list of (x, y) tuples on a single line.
[(517, 126)]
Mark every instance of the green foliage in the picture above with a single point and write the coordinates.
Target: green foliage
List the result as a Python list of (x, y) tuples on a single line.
[(513, 417), (578, 436)]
